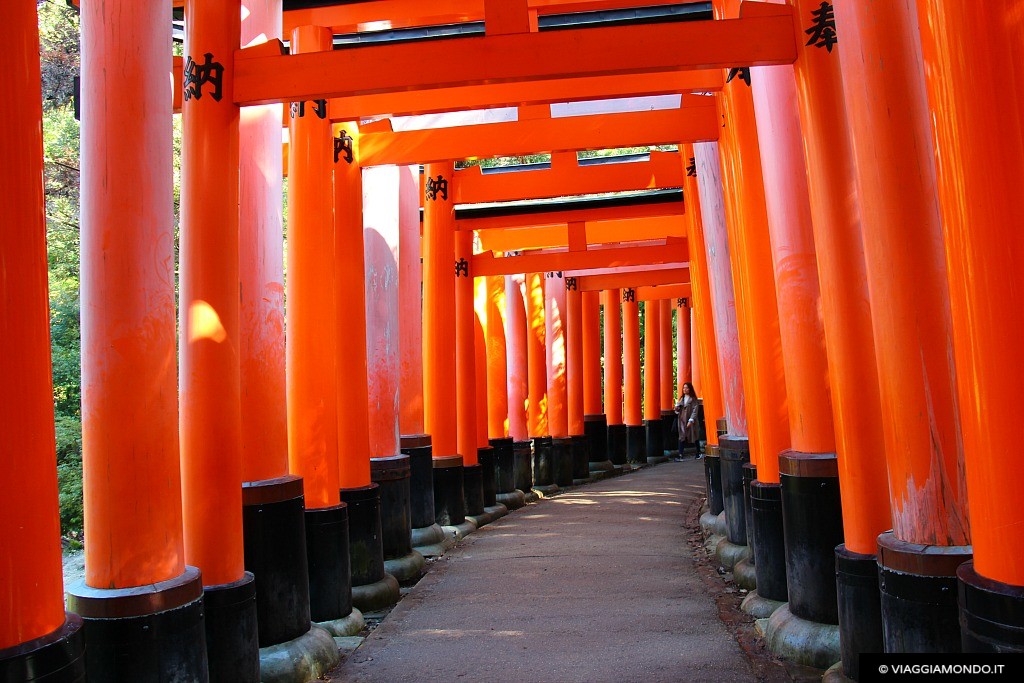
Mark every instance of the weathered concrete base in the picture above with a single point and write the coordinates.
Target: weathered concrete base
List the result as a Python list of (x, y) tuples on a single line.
[(513, 501), (376, 596), (406, 568), (431, 541), (744, 574), (711, 542), (801, 641), (581, 482), (657, 459), (490, 514), (546, 489), (460, 531), (722, 528), (728, 553), (712, 524), (758, 607), (346, 626), (307, 658), (602, 466), (834, 674), (530, 496)]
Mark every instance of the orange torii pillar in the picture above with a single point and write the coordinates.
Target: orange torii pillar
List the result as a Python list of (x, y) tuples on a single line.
[(714, 314), (666, 381), (37, 638), (684, 355), (555, 337), (131, 472), (311, 351), (465, 380), (617, 439), (539, 429), (516, 346), (595, 424), (714, 306), (427, 536), (907, 281), (846, 312), (274, 529), (636, 433), (439, 369), (694, 355), (389, 469), (209, 377), (980, 220), (492, 310), (812, 513), (754, 284), (574, 379), (653, 424), (485, 451), (372, 587)]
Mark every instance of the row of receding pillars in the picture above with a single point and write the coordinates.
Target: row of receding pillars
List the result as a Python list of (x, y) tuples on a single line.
[(181, 555)]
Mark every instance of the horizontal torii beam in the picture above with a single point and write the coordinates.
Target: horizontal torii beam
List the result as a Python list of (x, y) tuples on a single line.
[(566, 178), (638, 278), (692, 123), (662, 205), (459, 98), (659, 292), (261, 76), (595, 232), (487, 264)]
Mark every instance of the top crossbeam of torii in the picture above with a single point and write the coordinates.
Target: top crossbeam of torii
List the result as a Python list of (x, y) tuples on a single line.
[(510, 52)]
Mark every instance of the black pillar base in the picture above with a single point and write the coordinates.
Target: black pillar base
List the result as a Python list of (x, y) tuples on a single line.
[(595, 428), (713, 480), (580, 459), (57, 657), (918, 584), (473, 489), (504, 465), (735, 452), (149, 634), (372, 587), (769, 540), (670, 443), (636, 444), (655, 438), (392, 475), (522, 459), (421, 479), (485, 456), (543, 464), (749, 476), (860, 609), (562, 461), (274, 530), (812, 519), (449, 496), (232, 636), (617, 449), (327, 554), (991, 613)]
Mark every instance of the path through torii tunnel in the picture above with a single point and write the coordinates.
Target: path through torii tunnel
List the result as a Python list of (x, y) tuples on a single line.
[(808, 272)]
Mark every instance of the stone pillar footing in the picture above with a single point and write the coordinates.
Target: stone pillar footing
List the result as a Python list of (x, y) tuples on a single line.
[(744, 573), (348, 625), (801, 641), (728, 553), (406, 569), (376, 596), (430, 541), (306, 658), (513, 500), (759, 607), (489, 515)]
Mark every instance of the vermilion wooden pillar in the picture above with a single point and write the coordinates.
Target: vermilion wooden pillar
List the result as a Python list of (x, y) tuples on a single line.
[(555, 335), (494, 310), (707, 346), (684, 362), (439, 330), (666, 365), (846, 312), (31, 604), (131, 470), (410, 302), (979, 155), (465, 372), (653, 423), (636, 440), (722, 309), (518, 366), (486, 454), (210, 371), (883, 80), (617, 439), (536, 355)]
